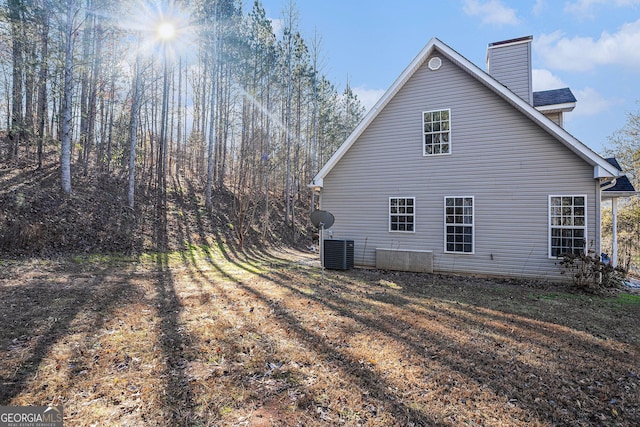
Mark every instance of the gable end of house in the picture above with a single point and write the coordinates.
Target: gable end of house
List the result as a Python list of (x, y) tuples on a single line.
[(601, 168)]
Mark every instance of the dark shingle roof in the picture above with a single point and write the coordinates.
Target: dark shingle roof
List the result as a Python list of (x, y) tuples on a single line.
[(622, 182), (614, 162), (553, 97)]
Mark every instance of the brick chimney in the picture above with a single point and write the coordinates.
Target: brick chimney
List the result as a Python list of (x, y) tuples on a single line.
[(509, 62)]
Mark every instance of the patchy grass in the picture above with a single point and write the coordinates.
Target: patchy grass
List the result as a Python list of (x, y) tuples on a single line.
[(624, 298), (198, 337)]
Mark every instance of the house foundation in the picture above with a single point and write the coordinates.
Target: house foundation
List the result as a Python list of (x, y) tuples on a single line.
[(418, 261)]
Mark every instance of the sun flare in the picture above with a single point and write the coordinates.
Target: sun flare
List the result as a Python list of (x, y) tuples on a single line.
[(161, 28), (166, 31)]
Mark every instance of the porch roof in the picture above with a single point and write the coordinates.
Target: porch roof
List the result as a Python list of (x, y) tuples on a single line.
[(623, 186)]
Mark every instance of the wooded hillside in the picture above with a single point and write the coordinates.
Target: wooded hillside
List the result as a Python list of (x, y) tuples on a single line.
[(134, 100)]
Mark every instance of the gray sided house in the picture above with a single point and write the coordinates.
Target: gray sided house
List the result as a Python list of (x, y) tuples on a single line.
[(464, 171)]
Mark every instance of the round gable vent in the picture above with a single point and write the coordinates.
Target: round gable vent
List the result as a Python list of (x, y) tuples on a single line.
[(435, 63)]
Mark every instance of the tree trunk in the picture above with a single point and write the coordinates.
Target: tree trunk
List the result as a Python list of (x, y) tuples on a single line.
[(223, 102), (162, 147), (211, 145), (135, 101), (28, 130), (267, 161), (65, 152), (110, 125), (42, 89), (15, 133), (84, 91), (178, 155), (93, 91)]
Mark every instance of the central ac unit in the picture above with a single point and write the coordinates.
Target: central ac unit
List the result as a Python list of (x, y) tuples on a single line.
[(338, 254)]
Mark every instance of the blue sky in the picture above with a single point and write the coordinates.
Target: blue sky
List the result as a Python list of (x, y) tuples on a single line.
[(591, 46)]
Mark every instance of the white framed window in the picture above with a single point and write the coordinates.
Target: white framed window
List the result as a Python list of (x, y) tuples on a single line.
[(567, 225), (459, 224), (436, 126), (402, 214)]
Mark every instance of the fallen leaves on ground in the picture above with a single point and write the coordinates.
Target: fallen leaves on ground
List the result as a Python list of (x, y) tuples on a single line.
[(195, 337)]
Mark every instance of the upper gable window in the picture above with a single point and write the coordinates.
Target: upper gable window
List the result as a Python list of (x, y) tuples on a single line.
[(437, 132)]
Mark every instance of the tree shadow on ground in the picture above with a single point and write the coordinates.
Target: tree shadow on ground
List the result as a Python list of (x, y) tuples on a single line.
[(36, 315), (27, 177), (173, 340), (173, 336), (536, 367)]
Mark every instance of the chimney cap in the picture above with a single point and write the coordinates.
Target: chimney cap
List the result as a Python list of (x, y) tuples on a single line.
[(512, 41)]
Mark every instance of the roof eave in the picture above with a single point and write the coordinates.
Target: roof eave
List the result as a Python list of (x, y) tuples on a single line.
[(600, 171), (557, 108), (316, 184), (619, 194)]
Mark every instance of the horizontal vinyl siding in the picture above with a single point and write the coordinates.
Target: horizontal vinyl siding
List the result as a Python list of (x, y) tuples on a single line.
[(555, 117), (511, 66), (499, 156)]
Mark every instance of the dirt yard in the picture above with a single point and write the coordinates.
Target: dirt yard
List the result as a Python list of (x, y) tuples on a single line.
[(207, 338)]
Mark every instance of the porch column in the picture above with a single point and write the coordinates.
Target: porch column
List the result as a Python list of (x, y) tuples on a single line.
[(614, 231)]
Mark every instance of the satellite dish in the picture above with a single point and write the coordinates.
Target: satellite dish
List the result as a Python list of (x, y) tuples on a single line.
[(322, 219)]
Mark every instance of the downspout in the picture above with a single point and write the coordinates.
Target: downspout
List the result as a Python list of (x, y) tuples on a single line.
[(316, 190), (614, 223), (609, 185), (614, 231)]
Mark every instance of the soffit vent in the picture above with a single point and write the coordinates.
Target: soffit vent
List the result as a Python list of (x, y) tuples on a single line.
[(435, 63)]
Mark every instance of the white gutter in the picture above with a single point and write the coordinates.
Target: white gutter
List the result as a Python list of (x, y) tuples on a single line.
[(557, 108)]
